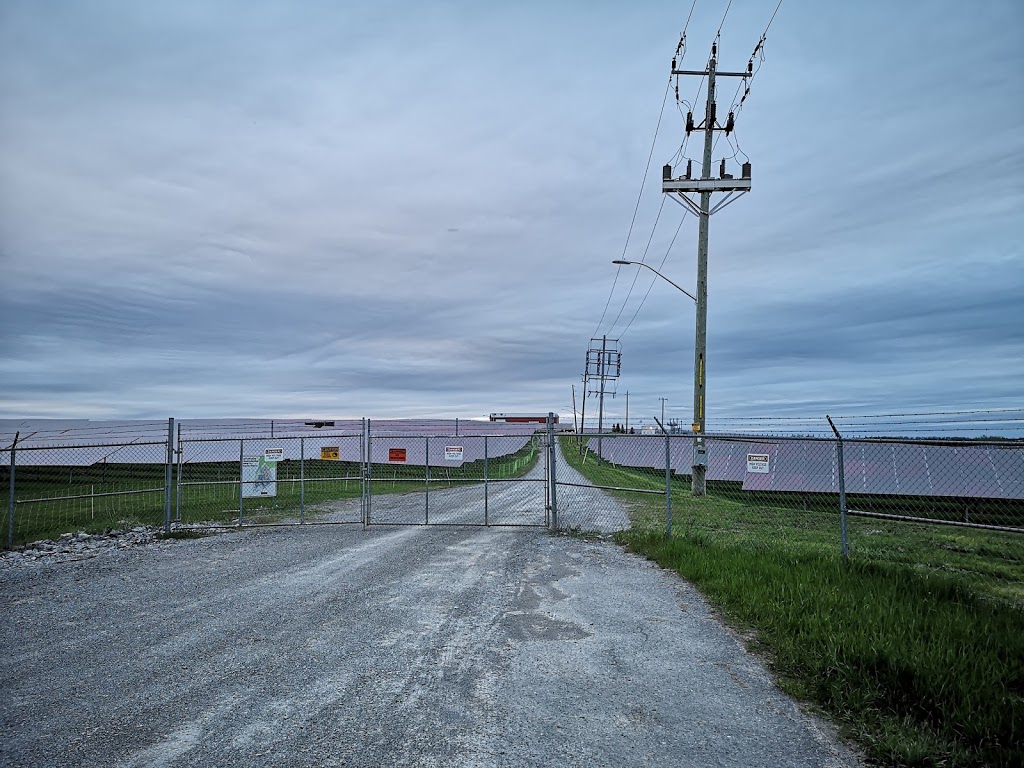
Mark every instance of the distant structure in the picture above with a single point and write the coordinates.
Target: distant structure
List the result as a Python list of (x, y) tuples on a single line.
[(523, 418)]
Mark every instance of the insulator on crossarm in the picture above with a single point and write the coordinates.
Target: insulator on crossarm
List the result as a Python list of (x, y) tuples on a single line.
[(689, 169), (730, 124), (673, 63), (689, 122), (666, 172)]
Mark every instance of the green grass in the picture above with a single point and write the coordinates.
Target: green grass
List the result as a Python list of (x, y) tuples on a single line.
[(214, 499), (915, 647)]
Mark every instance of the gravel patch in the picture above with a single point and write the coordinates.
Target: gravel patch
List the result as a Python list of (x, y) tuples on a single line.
[(398, 646)]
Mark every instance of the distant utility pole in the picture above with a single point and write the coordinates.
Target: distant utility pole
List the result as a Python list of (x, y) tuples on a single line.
[(574, 409), (583, 410), (603, 363), (627, 411), (677, 188)]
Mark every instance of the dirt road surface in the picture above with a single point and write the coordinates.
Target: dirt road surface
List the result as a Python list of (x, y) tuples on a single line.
[(392, 646)]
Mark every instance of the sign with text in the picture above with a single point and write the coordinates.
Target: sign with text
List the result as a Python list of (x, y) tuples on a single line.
[(259, 477), (396, 454), (273, 454), (453, 453), (330, 453), (757, 463)]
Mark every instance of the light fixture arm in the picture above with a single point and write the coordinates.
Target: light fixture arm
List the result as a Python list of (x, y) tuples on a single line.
[(648, 266)]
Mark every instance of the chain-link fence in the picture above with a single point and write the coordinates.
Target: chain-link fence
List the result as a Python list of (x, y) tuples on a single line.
[(611, 482), (53, 489), (952, 505), (955, 506), (269, 481), (284, 473)]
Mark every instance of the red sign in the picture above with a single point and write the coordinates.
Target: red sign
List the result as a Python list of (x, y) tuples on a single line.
[(396, 454)]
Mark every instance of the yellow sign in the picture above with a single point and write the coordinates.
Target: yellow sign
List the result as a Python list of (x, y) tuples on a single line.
[(695, 427), (330, 454)]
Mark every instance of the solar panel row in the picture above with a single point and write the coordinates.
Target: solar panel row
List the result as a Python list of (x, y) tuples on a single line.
[(972, 470), (443, 451)]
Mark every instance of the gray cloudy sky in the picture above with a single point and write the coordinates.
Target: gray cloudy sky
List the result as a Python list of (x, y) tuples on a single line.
[(214, 209)]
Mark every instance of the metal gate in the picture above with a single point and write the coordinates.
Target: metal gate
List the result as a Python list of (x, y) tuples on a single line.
[(437, 479), (384, 474), (607, 482)]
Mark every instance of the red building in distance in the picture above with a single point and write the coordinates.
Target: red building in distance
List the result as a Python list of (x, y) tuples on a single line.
[(522, 418)]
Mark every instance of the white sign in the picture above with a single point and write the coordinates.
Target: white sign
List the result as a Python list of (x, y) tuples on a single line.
[(259, 477), (453, 453), (757, 463), (273, 454)]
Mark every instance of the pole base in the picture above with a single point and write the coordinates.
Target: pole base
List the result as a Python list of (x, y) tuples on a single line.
[(698, 482)]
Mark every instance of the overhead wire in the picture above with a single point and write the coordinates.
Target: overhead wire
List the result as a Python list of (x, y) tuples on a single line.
[(681, 53), (629, 233)]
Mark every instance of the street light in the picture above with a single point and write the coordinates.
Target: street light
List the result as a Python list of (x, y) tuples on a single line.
[(641, 264), (698, 478)]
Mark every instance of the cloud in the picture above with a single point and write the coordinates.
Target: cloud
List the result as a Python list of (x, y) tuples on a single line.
[(407, 209)]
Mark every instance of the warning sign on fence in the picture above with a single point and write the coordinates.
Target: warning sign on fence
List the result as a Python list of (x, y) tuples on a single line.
[(330, 453), (453, 453), (757, 463), (259, 477), (273, 454), (396, 454)]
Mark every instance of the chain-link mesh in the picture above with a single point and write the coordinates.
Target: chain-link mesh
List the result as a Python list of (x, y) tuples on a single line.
[(955, 506), (280, 480), (84, 487), (951, 506), (971, 491), (611, 482), (455, 479)]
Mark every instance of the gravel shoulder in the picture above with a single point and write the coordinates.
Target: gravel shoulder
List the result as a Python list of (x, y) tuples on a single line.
[(335, 646)]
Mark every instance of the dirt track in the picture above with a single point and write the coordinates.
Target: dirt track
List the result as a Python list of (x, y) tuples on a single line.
[(392, 646)]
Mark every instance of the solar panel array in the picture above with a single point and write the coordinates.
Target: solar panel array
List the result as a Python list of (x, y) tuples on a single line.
[(961, 469), (87, 443)]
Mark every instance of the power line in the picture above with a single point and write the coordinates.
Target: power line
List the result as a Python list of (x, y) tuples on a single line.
[(772, 18), (654, 141), (687, 24), (727, 7)]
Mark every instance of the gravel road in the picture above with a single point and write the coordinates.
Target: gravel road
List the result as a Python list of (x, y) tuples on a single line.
[(393, 646)]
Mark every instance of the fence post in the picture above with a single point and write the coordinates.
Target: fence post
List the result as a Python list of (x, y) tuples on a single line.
[(241, 482), (177, 482), (553, 479), (486, 520), (369, 473), (302, 480), (168, 472), (668, 489), (842, 489), (426, 482), (10, 490)]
